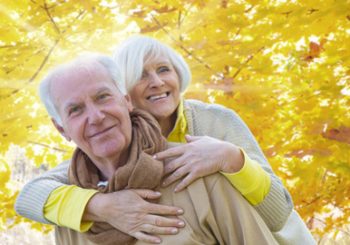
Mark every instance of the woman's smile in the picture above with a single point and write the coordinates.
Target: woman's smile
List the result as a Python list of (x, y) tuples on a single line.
[(158, 97)]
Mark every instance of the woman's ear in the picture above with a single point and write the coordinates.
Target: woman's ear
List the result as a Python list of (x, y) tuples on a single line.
[(128, 102), (60, 129)]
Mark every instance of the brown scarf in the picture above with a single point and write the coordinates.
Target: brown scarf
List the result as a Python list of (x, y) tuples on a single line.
[(140, 171)]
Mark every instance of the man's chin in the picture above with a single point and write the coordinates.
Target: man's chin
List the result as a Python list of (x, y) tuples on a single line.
[(108, 150)]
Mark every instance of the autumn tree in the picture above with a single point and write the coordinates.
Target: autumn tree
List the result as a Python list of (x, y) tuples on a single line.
[(282, 65)]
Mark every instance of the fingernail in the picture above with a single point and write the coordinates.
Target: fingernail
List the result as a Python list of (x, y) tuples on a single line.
[(181, 223), (154, 156), (174, 231), (180, 211), (157, 240), (158, 193)]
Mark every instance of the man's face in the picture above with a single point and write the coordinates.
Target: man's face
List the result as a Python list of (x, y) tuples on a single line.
[(95, 115)]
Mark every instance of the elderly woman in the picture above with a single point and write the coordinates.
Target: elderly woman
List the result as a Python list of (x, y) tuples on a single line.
[(155, 77), (115, 152)]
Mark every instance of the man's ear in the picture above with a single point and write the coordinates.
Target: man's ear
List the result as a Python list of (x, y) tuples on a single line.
[(60, 129), (128, 103)]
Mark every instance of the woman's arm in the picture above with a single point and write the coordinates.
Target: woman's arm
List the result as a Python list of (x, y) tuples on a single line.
[(32, 198), (128, 210), (277, 205), (207, 155)]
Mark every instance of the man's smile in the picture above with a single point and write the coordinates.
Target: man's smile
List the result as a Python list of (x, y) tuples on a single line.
[(101, 132)]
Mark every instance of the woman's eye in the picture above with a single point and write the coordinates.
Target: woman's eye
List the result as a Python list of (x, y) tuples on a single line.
[(163, 69), (144, 75)]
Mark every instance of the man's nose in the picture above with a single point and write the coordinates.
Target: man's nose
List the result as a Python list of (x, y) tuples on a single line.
[(95, 114)]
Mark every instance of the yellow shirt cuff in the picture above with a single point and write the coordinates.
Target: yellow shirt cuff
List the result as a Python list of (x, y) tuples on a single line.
[(65, 207), (251, 181)]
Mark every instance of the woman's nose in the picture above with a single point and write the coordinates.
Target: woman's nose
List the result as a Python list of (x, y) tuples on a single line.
[(155, 80)]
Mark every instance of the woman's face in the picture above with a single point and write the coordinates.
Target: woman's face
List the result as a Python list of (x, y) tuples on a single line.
[(158, 91)]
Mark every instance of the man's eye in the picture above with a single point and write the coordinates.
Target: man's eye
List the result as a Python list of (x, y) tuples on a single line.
[(102, 96), (163, 69), (74, 110)]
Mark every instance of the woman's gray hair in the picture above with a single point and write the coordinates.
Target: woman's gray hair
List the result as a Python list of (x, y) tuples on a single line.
[(85, 60), (131, 55)]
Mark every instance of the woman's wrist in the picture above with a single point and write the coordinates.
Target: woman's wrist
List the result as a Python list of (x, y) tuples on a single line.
[(234, 159), (93, 209)]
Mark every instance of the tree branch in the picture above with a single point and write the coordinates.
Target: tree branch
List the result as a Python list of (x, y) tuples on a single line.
[(47, 56), (312, 201), (75, 19), (45, 7), (44, 61), (7, 46), (250, 57), (46, 146), (188, 52), (52, 48)]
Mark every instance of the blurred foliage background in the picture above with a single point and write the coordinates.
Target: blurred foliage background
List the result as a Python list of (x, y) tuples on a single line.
[(282, 65)]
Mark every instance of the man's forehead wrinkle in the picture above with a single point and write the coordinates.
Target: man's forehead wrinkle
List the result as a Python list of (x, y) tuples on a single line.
[(92, 67), (88, 68), (57, 77), (79, 71), (65, 73)]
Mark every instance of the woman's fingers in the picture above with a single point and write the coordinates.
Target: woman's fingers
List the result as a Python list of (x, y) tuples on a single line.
[(153, 229), (160, 209), (170, 152), (129, 212), (139, 235), (201, 156), (186, 182), (165, 222), (188, 176), (157, 225), (191, 138), (147, 194), (174, 164), (176, 175)]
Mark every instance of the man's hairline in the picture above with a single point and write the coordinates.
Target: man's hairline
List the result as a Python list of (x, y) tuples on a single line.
[(54, 79)]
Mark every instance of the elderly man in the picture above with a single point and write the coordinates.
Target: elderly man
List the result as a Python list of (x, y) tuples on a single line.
[(87, 102)]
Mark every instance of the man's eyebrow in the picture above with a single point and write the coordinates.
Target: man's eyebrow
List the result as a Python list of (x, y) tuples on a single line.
[(73, 104), (103, 89)]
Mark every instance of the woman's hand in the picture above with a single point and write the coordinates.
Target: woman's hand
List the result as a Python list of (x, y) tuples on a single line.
[(129, 212), (201, 156)]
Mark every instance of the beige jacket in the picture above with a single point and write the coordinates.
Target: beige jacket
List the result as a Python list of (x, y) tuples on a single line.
[(215, 213)]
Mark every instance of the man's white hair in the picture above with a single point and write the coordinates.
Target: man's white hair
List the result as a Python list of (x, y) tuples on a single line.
[(87, 60), (133, 53)]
